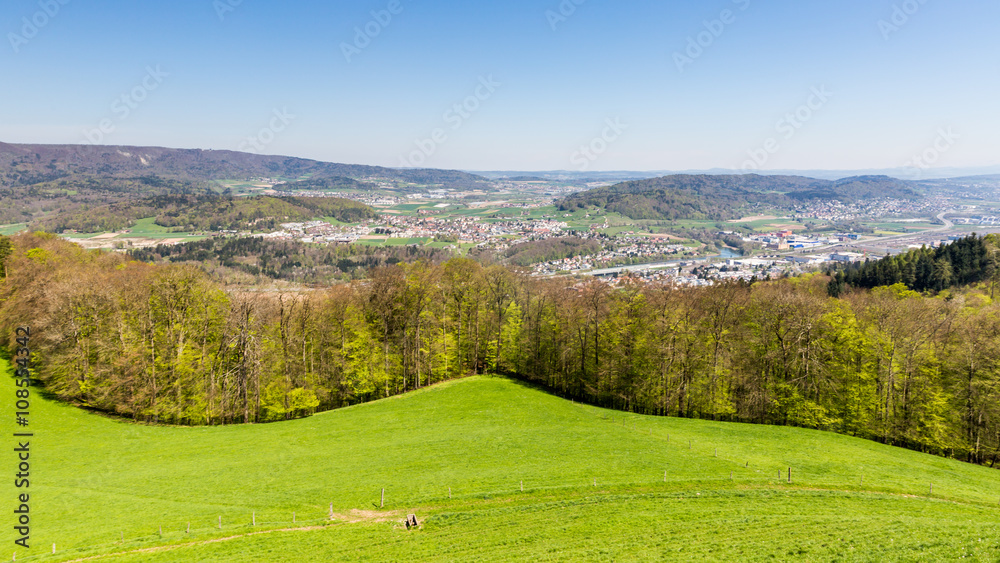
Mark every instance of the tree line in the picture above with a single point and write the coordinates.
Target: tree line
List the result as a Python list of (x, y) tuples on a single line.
[(965, 261), (206, 212), (259, 259), (169, 344)]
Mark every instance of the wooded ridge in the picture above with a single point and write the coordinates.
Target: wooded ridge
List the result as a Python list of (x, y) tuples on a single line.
[(211, 213), (169, 344), (725, 197)]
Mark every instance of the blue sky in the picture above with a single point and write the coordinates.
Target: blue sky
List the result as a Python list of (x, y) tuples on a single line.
[(899, 79)]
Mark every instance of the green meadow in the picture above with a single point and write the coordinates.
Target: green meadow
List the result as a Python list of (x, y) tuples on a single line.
[(598, 485), (12, 229)]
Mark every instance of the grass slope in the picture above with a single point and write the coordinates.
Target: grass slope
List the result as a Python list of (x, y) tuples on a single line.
[(96, 480), (12, 229)]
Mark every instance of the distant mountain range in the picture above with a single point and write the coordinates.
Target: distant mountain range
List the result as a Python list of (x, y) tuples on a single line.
[(909, 174), (28, 164), (722, 197), (39, 179)]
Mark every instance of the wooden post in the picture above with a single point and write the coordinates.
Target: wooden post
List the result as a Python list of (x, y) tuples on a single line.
[(522, 486), (331, 511), (293, 517), (730, 475), (220, 522), (862, 480), (664, 476), (932, 489), (254, 517), (383, 497), (716, 452), (161, 530), (595, 481), (53, 548), (449, 492), (789, 474), (689, 444), (189, 528)]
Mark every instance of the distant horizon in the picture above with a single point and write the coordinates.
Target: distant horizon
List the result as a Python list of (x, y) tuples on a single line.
[(520, 85), (819, 173)]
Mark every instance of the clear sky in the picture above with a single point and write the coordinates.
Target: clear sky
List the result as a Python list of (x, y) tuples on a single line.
[(534, 81)]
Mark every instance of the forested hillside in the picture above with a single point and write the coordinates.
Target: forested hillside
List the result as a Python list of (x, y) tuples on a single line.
[(69, 194), (207, 213), (169, 344), (966, 261), (335, 183), (22, 165), (39, 180), (533, 252), (292, 261), (726, 197)]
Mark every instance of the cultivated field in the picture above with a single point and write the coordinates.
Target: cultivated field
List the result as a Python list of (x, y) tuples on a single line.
[(598, 485)]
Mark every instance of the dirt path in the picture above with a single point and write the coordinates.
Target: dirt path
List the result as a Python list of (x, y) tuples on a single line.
[(354, 517)]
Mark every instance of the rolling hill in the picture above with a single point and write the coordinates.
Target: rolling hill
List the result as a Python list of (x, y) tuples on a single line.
[(723, 197), (31, 164), (185, 213), (597, 485), (37, 179)]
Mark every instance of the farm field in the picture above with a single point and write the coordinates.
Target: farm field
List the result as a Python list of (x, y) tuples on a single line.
[(598, 485), (12, 229)]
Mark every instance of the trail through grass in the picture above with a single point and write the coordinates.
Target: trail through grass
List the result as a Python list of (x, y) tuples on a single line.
[(665, 488)]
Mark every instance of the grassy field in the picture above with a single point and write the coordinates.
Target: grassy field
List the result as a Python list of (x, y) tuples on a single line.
[(598, 485), (148, 229), (12, 229)]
